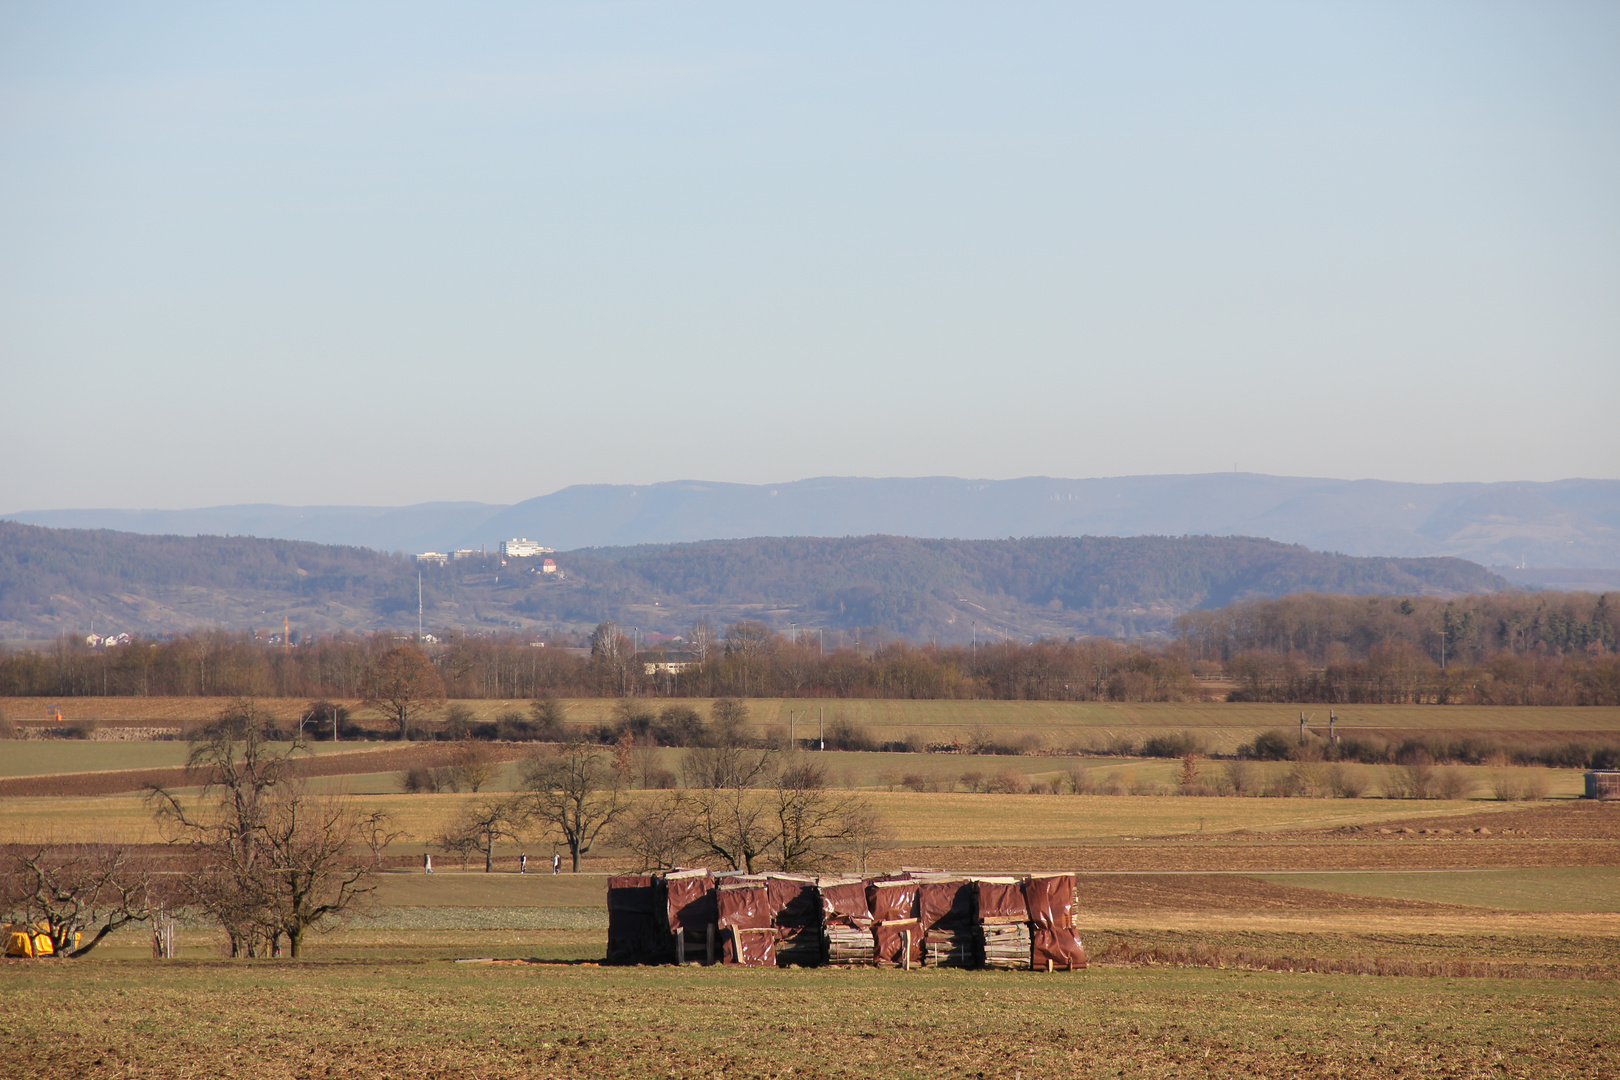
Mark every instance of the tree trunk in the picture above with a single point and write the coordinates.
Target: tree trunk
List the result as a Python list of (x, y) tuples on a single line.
[(574, 851), (489, 858), (295, 942)]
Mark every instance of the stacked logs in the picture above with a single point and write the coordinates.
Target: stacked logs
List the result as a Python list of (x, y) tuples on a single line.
[(950, 935), (904, 920), (846, 922), (1002, 917)]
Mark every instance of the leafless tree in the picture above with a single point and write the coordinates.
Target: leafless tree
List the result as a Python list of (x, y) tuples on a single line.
[(613, 658), (575, 793), (481, 826), (399, 683), (746, 808), (656, 831), (748, 645), (271, 860), (70, 889)]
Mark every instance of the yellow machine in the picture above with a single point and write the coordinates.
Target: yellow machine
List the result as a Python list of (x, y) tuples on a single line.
[(24, 940)]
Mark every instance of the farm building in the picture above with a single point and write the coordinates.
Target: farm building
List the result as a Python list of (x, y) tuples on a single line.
[(1603, 784), (900, 920)]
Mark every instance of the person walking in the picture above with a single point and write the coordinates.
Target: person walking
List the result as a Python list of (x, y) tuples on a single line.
[(523, 864), (556, 863)]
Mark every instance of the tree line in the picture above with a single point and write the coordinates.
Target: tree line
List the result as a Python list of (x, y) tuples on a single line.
[(1505, 648)]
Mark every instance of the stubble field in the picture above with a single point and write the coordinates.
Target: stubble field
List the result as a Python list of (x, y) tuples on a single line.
[(1229, 936)]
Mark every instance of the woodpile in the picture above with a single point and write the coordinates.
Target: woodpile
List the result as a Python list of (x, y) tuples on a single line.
[(950, 935), (846, 922), (1002, 916), (904, 920)]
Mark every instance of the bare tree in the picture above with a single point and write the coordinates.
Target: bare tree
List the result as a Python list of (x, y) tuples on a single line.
[(74, 888), (729, 726), (743, 809), (473, 764), (575, 792), (270, 859), (748, 645), (613, 658), (399, 683), (481, 826), (657, 832), (864, 831)]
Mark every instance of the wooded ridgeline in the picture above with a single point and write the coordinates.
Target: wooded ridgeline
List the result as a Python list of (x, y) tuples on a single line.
[(1503, 648)]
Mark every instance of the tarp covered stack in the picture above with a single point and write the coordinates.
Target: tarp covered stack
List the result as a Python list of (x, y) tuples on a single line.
[(846, 921), (950, 935), (636, 930), (796, 914), (1055, 945), (1003, 918), (894, 921), (746, 932), (692, 914)]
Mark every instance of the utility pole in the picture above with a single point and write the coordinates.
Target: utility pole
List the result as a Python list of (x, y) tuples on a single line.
[(823, 722), (793, 738), (419, 607)]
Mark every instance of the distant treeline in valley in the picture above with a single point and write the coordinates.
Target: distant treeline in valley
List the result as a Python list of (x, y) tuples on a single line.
[(1502, 648)]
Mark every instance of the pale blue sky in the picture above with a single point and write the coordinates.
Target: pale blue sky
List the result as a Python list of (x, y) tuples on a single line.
[(354, 253)]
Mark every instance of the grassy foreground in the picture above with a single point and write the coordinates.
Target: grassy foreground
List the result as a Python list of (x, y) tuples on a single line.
[(388, 1018)]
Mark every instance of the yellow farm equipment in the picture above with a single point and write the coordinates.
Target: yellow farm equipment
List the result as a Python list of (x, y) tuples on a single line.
[(24, 940)]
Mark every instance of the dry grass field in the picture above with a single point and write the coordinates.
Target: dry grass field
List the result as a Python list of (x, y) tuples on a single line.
[(1307, 937), (401, 1016)]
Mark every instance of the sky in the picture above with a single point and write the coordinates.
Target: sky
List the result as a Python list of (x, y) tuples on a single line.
[(340, 253)]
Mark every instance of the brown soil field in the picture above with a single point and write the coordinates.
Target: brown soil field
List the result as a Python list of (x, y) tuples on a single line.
[(1223, 892), (1569, 819), (1205, 856), (113, 782)]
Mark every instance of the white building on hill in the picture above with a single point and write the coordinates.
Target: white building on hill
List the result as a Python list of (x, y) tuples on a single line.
[(524, 549)]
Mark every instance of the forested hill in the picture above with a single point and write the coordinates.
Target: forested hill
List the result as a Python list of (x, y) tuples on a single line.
[(66, 580)]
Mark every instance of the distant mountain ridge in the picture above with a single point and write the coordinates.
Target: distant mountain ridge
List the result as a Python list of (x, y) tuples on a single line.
[(71, 581), (1563, 523)]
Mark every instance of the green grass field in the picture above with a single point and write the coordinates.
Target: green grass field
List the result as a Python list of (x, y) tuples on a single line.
[(37, 757)]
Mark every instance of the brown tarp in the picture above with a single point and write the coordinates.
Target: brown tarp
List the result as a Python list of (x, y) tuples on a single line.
[(746, 910), (845, 904), (945, 905), (1051, 900), (635, 924), (889, 938), (1000, 900), (892, 899), (793, 902), (1051, 909), (690, 901), (1060, 946)]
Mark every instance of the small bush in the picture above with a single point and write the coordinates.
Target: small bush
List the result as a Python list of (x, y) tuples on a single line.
[(8, 730), (1346, 781), (1081, 783), (919, 782), (1120, 746), (80, 729), (1173, 746), (1453, 784), (973, 780), (1268, 746), (1007, 782), (1240, 777)]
